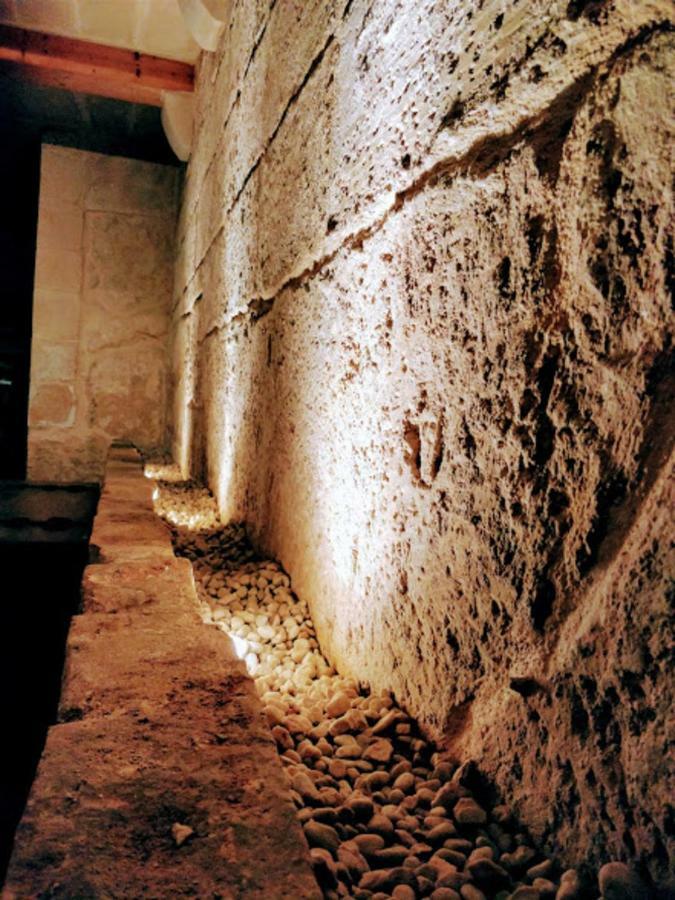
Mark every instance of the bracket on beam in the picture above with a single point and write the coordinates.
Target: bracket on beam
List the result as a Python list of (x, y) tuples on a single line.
[(177, 120)]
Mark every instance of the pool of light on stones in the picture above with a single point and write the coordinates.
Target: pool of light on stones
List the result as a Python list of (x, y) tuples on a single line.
[(384, 813)]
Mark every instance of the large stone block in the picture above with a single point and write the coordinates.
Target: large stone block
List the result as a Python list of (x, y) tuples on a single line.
[(109, 792), (126, 390), (63, 175), (146, 586), (143, 658), (57, 454), (52, 403), (57, 269), (118, 537), (60, 226), (115, 184), (54, 361), (56, 315), (127, 255)]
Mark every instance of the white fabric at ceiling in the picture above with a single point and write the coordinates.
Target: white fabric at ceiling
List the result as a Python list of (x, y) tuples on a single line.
[(148, 26)]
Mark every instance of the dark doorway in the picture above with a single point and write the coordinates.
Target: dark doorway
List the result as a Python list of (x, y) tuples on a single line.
[(44, 534), (19, 183)]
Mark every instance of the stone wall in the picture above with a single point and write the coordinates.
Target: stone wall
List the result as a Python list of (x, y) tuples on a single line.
[(100, 311), (422, 343)]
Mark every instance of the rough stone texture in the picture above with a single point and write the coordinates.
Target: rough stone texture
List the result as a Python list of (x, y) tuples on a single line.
[(162, 778), (101, 307), (108, 792), (422, 345), (122, 533), (140, 585)]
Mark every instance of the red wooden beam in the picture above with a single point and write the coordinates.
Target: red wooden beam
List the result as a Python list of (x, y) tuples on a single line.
[(93, 68)]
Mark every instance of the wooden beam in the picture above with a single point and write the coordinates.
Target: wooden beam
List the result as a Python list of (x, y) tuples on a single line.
[(93, 68)]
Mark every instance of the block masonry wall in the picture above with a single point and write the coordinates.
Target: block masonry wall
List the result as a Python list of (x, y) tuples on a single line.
[(101, 309), (422, 344)]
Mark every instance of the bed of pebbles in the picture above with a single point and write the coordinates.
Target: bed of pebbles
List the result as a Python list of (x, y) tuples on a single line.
[(384, 813)]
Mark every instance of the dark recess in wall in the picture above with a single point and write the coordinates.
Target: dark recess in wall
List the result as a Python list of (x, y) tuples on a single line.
[(44, 534), (19, 182)]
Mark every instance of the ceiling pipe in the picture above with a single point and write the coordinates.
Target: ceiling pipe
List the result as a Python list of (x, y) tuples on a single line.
[(203, 21), (177, 121)]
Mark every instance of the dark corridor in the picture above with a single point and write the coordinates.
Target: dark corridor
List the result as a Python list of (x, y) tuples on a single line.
[(44, 534), (20, 179)]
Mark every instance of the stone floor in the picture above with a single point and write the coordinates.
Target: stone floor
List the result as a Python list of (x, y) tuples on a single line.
[(385, 814)]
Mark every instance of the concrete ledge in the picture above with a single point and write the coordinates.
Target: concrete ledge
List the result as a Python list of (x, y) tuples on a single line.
[(161, 737)]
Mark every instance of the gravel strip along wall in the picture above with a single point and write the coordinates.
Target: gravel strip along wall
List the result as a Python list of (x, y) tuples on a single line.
[(386, 814), (422, 346), (161, 778)]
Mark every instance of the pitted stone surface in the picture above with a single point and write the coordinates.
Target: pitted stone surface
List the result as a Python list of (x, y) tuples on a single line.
[(422, 346)]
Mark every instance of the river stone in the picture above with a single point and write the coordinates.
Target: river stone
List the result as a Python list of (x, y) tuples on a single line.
[(467, 812)]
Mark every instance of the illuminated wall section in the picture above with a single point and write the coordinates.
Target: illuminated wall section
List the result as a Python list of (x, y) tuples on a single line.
[(422, 298)]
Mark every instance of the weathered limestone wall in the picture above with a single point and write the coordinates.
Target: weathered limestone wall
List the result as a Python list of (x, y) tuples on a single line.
[(100, 311), (421, 343)]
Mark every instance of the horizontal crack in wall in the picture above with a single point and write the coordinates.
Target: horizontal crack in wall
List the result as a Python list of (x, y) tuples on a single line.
[(477, 161)]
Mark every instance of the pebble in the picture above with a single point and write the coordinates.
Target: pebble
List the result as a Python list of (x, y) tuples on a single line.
[(380, 807), (324, 868), (338, 706), (403, 892), (467, 812), (379, 751), (545, 887), (354, 861), (570, 886), (387, 879), (304, 785), (618, 882), (519, 860), (488, 874), (181, 833), (440, 833), (540, 870), (369, 843), (320, 835), (470, 892)]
